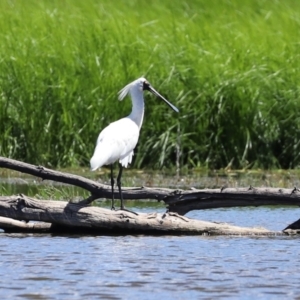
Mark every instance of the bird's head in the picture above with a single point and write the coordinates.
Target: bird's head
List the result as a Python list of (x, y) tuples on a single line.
[(141, 85), (137, 85)]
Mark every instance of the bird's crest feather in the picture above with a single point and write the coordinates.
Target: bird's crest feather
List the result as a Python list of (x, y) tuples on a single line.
[(125, 90)]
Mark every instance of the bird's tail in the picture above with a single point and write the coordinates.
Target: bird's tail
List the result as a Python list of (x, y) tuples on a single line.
[(94, 163), (126, 160)]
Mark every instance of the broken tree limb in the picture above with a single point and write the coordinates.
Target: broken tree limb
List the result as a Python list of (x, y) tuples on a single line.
[(12, 225), (76, 218), (231, 197), (97, 190)]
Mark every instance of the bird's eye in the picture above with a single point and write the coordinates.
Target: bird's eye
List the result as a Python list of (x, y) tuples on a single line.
[(146, 85)]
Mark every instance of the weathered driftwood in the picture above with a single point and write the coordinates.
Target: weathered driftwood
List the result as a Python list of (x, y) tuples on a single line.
[(76, 218), (62, 216)]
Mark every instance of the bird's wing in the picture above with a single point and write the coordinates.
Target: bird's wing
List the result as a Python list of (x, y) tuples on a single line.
[(115, 142)]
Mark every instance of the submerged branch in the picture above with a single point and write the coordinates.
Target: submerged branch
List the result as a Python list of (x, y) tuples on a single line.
[(12, 225)]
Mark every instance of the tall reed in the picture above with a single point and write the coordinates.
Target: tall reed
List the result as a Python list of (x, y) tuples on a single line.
[(231, 67)]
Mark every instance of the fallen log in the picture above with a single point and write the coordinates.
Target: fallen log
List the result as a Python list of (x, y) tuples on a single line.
[(61, 216), (72, 217)]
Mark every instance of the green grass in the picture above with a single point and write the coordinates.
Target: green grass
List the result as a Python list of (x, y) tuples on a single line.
[(231, 67)]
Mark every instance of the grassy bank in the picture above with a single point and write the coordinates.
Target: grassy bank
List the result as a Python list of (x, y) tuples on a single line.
[(231, 67)]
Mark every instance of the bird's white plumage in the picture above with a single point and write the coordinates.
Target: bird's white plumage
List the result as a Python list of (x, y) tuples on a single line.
[(118, 139), (116, 142)]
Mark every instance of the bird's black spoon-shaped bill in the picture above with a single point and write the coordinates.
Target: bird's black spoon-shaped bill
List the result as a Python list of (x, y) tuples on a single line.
[(153, 91)]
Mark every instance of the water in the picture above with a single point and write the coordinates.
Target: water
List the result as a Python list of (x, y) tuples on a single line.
[(147, 267), (45, 266)]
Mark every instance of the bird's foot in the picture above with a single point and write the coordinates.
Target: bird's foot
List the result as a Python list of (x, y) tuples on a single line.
[(125, 209), (113, 208)]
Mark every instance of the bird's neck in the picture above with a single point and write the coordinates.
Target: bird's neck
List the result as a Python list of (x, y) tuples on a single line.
[(138, 106)]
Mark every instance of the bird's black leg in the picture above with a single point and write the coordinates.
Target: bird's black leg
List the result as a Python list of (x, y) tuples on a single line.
[(112, 188), (120, 191), (119, 184)]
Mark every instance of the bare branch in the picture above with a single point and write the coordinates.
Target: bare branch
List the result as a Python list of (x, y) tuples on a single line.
[(97, 189), (178, 201)]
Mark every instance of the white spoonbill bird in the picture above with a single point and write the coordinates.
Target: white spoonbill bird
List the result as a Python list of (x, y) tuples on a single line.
[(118, 139)]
